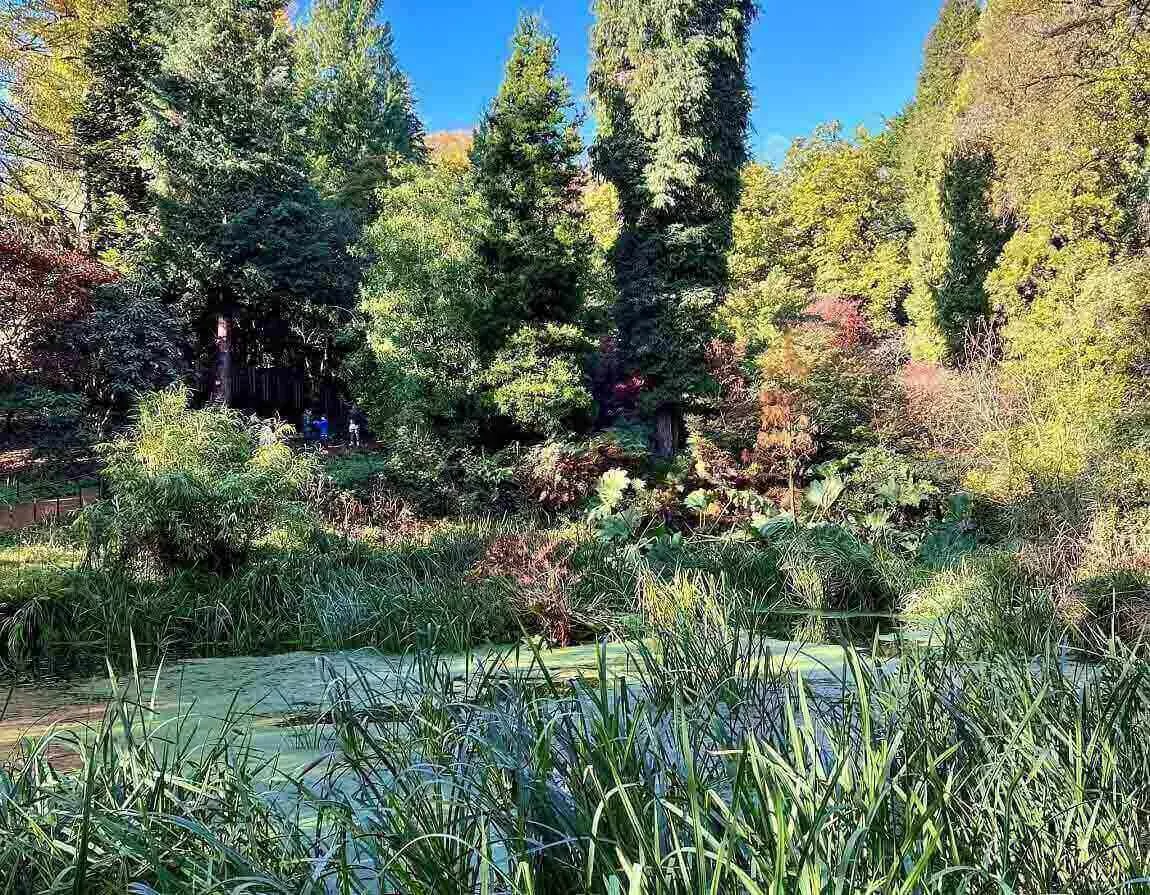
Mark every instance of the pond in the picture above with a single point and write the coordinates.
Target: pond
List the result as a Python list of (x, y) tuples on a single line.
[(277, 698)]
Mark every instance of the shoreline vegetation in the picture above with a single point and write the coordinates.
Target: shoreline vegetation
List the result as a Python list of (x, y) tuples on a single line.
[(707, 766)]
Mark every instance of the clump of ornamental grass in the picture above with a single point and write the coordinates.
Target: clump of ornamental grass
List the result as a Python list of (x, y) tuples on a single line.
[(196, 488)]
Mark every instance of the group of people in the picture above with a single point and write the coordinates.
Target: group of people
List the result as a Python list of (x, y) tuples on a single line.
[(318, 428)]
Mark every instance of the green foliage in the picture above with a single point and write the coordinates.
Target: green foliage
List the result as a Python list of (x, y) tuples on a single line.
[(480, 272), (957, 246), (827, 567), (355, 472), (946, 54), (1073, 359), (562, 475), (947, 183), (357, 104), (240, 231), (441, 477), (757, 314), (131, 344), (899, 787), (43, 82), (764, 231), (844, 201), (423, 300), (885, 498), (195, 488), (975, 240), (123, 60), (831, 221), (537, 380), (525, 159), (675, 156), (35, 407)]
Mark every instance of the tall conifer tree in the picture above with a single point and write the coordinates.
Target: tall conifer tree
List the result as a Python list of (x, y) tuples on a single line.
[(526, 169), (669, 81), (122, 60), (357, 103), (956, 240), (242, 238)]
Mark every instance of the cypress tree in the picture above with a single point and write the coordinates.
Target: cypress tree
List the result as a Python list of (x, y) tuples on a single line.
[(975, 239), (357, 104), (526, 172), (669, 82), (956, 240)]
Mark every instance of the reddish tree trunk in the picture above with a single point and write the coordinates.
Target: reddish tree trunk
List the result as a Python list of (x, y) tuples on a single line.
[(666, 433), (222, 388)]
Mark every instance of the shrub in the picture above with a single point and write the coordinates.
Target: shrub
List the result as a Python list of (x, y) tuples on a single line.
[(825, 567), (756, 314), (561, 475), (536, 568), (757, 434), (439, 477), (885, 494), (196, 488), (538, 382)]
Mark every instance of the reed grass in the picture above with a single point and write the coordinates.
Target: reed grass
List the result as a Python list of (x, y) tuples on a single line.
[(712, 769)]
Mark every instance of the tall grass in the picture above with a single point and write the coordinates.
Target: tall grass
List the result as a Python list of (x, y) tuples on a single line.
[(131, 804), (711, 770), (714, 772), (328, 592)]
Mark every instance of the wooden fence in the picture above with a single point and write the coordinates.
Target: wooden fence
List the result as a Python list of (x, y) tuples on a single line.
[(25, 514)]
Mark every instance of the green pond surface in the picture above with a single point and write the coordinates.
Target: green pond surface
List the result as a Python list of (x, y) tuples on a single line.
[(272, 698)]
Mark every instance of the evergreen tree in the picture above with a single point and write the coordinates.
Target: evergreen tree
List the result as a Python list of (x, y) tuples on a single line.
[(669, 81), (358, 106), (946, 53), (122, 59), (956, 240), (975, 238), (242, 238), (526, 171), (481, 266)]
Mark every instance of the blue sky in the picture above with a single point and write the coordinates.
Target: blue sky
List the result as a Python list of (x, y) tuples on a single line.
[(813, 61)]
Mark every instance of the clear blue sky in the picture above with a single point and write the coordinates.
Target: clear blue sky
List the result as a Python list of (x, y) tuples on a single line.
[(813, 60)]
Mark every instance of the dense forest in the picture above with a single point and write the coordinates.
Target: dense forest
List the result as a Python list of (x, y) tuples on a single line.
[(889, 397)]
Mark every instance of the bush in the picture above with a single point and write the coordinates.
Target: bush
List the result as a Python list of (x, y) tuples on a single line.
[(561, 475), (439, 477), (756, 314), (196, 488), (538, 382)]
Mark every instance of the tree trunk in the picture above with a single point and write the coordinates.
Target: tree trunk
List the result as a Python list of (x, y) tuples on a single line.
[(666, 433), (222, 388)]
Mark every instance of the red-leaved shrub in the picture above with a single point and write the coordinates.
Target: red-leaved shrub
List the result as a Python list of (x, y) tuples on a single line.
[(537, 566)]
